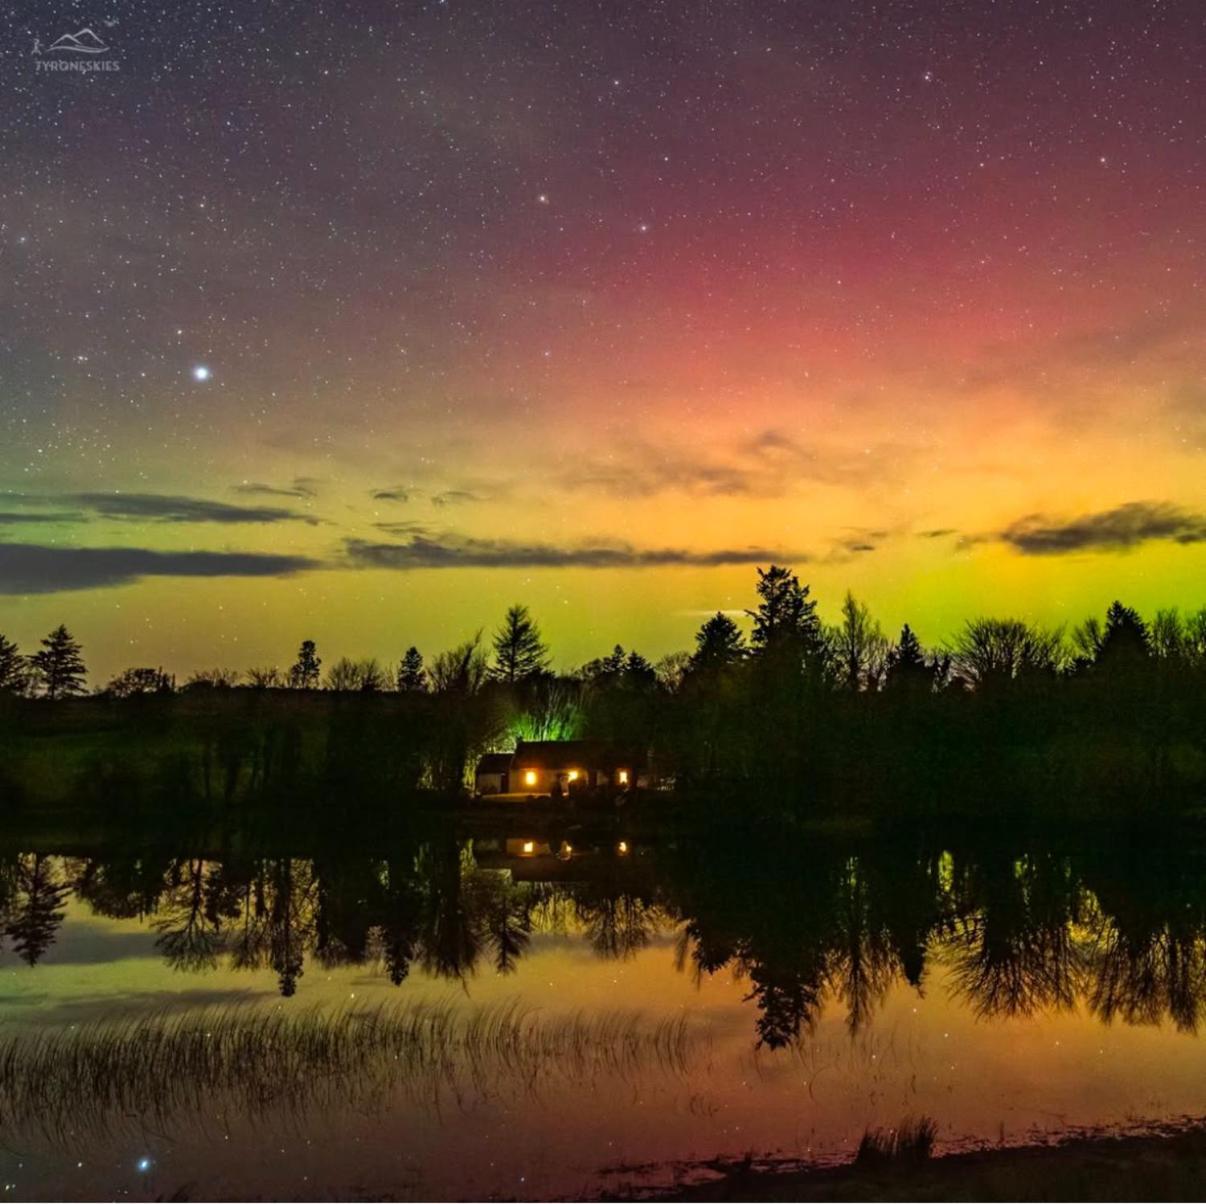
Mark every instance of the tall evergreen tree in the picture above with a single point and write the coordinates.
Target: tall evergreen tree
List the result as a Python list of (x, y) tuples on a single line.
[(786, 615), (412, 677), (307, 670), (907, 666), (519, 652), (718, 644), (14, 669), (1125, 641), (59, 667)]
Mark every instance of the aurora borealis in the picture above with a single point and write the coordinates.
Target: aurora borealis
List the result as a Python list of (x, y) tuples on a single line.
[(360, 322)]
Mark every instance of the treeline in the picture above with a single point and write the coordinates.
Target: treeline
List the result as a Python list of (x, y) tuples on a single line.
[(1109, 715)]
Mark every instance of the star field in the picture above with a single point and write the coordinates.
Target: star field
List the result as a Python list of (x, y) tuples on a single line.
[(682, 282)]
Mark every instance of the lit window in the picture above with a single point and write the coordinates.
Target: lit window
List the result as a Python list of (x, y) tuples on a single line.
[(529, 778), (622, 847), (529, 846), (573, 775), (622, 776)]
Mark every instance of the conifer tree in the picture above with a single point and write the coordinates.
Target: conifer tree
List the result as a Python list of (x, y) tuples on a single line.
[(59, 667)]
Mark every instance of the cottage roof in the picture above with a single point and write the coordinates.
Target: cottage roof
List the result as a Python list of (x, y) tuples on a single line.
[(575, 754), (494, 762)]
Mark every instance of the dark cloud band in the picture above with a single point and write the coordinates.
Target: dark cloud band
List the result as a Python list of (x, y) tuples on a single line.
[(1115, 530), (453, 551), (35, 569)]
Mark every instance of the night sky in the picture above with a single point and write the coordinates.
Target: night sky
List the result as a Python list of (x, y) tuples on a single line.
[(364, 321)]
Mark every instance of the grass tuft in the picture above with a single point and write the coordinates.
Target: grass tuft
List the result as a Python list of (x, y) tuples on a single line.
[(909, 1144)]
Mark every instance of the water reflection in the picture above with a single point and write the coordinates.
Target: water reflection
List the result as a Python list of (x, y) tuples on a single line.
[(1021, 930), (103, 1079)]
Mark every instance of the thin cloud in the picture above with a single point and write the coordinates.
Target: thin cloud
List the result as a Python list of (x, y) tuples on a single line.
[(395, 493), (22, 518), (302, 488), (771, 464), (1117, 530), (455, 497), (458, 551), (36, 569), (164, 508)]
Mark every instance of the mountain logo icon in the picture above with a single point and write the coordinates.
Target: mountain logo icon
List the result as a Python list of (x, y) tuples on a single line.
[(85, 41)]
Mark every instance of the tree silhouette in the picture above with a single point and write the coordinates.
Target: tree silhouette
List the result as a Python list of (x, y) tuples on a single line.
[(37, 907), (131, 683), (1125, 641), (907, 667), (719, 644), (307, 669), (519, 652), (605, 668), (412, 677), (14, 669), (858, 648), (363, 676), (993, 652), (59, 666), (786, 615)]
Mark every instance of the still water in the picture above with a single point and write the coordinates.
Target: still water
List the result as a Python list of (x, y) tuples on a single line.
[(523, 1012)]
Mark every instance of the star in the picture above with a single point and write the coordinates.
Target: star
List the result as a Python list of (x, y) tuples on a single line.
[(201, 372)]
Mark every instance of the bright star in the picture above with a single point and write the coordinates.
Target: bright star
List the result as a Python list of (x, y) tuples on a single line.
[(200, 372), (144, 1164)]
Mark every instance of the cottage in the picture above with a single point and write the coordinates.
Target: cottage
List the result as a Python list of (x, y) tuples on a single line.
[(494, 773), (560, 767)]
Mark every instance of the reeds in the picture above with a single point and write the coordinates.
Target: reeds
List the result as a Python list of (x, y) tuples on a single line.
[(242, 1060), (909, 1144)]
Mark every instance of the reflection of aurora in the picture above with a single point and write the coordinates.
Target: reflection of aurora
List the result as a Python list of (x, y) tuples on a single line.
[(233, 1061), (1013, 931)]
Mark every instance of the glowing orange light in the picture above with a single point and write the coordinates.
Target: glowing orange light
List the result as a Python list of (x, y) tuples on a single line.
[(529, 846), (622, 847), (573, 775), (529, 778), (623, 777)]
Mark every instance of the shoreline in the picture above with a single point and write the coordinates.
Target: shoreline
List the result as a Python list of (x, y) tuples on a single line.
[(1166, 1163)]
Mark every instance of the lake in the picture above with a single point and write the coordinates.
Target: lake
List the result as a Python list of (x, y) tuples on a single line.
[(515, 1007)]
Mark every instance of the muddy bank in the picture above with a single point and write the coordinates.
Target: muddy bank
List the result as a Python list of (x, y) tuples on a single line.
[(1165, 1166)]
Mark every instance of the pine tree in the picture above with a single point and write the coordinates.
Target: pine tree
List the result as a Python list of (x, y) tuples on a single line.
[(786, 614), (59, 667), (307, 672), (412, 677), (638, 672), (907, 664), (14, 669), (718, 644), (519, 652), (1125, 641)]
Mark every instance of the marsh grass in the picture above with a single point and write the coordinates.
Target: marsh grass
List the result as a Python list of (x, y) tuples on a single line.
[(241, 1061), (909, 1144)]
